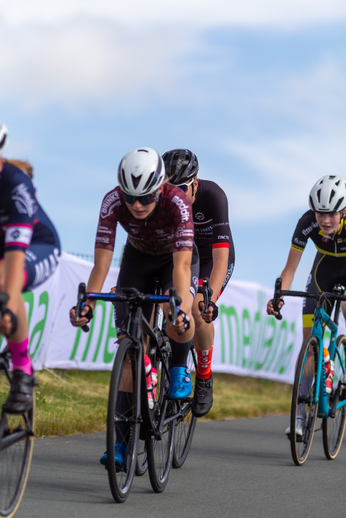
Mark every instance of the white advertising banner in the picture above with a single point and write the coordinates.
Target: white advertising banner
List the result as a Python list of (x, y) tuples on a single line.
[(248, 342)]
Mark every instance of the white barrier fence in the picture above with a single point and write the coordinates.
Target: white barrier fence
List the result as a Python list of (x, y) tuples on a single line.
[(247, 341)]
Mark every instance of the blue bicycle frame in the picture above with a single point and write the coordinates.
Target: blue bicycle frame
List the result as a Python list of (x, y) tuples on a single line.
[(321, 396)]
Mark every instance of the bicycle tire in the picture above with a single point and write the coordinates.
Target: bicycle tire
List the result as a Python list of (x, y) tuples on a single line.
[(123, 424), (142, 459), (15, 452), (333, 429), (301, 445), (160, 451), (185, 428)]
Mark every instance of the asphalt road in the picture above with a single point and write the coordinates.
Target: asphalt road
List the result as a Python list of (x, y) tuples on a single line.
[(238, 468)]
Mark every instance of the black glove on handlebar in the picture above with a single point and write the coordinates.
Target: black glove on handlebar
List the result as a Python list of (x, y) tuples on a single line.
[(215, 309)]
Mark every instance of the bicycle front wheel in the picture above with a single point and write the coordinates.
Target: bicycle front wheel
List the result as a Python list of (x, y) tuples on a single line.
[(160, 446), (304, 409), (16, 446), (185, 425), (334, 428), (123, 420)]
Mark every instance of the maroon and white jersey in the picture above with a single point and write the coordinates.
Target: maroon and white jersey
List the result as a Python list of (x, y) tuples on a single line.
[(167, 230)]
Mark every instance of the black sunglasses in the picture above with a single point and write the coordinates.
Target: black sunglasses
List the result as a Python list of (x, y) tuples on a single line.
[(143, 200)]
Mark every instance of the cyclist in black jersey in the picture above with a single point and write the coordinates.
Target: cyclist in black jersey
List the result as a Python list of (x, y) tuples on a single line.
[(158, 220), (216, 250), (29, 254), (325, 225)]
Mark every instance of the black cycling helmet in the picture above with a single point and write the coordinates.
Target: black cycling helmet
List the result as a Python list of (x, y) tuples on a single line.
[(181, 166)]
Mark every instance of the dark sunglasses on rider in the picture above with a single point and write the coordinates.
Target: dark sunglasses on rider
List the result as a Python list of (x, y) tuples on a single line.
[(143, 200), (185, 186)]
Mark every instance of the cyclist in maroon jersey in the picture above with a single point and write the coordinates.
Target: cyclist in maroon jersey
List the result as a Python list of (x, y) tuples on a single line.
[(158, 220), (216, 252), (29, 254)]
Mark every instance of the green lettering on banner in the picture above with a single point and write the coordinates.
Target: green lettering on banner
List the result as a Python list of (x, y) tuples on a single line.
[(266, 343), (103, 304), (283, 332), (39, 327), (285, 356), (111, 333), (230, 313), (246, 328), (28, 297), (256, 335), (76, 344)]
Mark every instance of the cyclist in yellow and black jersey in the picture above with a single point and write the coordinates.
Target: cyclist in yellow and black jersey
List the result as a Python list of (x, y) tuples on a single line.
[(325, 225)]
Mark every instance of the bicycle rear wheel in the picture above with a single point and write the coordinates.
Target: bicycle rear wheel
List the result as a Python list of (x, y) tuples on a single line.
[(334, 428), (123, 419), (304, 409), (184, 426), (16, 446), (160, 447)]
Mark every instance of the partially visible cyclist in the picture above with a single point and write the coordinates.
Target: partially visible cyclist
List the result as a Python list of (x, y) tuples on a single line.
[(325, 225), (214, 241), (29, 254), (158, 220)]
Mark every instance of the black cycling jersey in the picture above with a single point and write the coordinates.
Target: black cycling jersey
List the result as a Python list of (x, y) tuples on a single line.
[(212, 230), (26, 227), (307, 227), (329, 266)]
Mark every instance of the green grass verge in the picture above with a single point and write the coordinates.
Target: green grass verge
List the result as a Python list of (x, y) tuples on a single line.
[(76, 401)]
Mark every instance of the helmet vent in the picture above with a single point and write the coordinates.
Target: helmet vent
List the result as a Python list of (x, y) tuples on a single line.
[(2, 141), (332, 194), (338, 204), (124, 178), (136, 180), (142, 151), (318, 194), (150, 182)]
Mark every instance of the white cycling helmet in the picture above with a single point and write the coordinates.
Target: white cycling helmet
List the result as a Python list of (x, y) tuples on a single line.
[(141, 172), (328, 194), (3, 137)]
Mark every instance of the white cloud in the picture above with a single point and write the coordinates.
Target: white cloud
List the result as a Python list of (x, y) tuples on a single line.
[(188, 12), (286, 165), (83, 60)]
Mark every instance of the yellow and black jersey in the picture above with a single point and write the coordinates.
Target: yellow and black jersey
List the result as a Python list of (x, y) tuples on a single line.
[(307, 227)]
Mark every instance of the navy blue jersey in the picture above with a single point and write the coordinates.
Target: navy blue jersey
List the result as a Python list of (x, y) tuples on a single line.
[(22, 220)]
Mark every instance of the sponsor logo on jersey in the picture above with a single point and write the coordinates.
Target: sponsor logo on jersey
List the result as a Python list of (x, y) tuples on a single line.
[(301, 243), (183, 243), (18, 235), (160, 231), (102, 240), (310, 229), (185, 233), (104, 230), (223, 237), (184, 209), (111, 200), (46, 268), (199, 216), (23, 200)]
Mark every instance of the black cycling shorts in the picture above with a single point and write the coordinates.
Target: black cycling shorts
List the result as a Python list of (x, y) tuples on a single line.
[(140, 270), (326, 271)]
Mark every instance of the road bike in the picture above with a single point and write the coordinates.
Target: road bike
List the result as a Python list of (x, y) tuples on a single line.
[(310, 398), (16, 440), (152, 436)]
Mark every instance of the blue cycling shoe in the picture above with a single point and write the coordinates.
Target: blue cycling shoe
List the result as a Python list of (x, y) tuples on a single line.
[(181, 385), (119, 455)]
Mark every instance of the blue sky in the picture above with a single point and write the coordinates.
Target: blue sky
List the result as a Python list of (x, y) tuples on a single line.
[(257, 91)]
